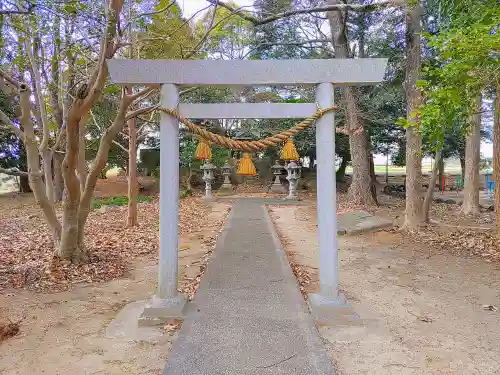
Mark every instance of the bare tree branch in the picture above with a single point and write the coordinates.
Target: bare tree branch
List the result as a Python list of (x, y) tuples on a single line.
[(146, 14), (140, 111), (241, 12), (209, 30), (325, 8), (120, 146), (29, 46), (17, 11), (12, 172), (9, 79), (299, 43), (187, 91), (33, 160), (141, 94), (4, 119), (144, 94), (102, 158), (143, 126), (96, 82), (186, 22), (59, 137), (200, 42)]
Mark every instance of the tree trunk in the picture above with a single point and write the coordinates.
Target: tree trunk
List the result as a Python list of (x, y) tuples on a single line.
[(132, 171), (387, 168), (373, 177), (190, 176), (441, 173), (472, 158), (414, 201), (47, 169), (360, 191), (24, 184), (76, 206), (33, 161), (68, 236), (413, 215), (82, 164), (58, 178), (71, 246), (132, 146), (432, 183), (496, 157)]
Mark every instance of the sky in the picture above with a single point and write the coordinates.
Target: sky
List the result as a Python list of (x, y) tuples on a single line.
[(190, 7)]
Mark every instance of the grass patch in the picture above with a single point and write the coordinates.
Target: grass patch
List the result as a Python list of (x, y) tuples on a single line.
[(117, 201)]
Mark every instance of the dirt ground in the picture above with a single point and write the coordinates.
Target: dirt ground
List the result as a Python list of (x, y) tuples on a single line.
[(65, 332), (419, 314)]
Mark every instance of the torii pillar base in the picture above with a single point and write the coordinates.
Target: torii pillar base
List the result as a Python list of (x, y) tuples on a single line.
[(163, 311), (332, 311)]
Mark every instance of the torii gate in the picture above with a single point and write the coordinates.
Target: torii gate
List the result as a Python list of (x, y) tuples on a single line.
[(172, 74)]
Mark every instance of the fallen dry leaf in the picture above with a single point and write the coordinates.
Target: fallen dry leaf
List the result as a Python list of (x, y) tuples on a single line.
[(462, 242), (490, 308), (173, 326), (422, 318), (8, 329), (27, 255)]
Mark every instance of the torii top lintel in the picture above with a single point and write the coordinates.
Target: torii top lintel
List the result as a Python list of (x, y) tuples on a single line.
[(248, 72)]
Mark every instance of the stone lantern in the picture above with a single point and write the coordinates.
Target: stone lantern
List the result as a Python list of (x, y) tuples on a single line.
[(208, 176), (226, 172), (293, 175), (277, 187)]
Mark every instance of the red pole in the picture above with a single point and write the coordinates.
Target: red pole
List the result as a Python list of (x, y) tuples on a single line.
[(442, 184)]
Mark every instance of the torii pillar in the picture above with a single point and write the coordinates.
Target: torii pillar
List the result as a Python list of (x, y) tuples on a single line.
[(170, 74)]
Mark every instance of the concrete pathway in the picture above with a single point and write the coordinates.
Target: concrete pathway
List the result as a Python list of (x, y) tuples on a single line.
[(248, 316)]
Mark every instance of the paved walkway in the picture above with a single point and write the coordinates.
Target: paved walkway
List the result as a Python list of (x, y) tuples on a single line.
[(248, 316)]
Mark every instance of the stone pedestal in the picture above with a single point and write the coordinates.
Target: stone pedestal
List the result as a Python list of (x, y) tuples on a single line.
[(277, 187), (208, 176), (226, 186), (293, 170)]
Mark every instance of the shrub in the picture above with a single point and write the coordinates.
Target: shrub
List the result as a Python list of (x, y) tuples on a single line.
[(117, 201), (185, 193)]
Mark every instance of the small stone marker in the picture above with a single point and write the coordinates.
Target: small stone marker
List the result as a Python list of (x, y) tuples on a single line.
[(360, 221)]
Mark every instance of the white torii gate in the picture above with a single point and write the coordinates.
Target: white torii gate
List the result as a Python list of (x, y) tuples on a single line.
[(172, 74)]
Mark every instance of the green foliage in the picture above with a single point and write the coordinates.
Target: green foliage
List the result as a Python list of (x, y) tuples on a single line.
[(117, 201), (167, 35), (280, 39), (466, 64)]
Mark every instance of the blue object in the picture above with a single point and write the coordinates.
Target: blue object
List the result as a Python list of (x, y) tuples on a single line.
[(490, 184)]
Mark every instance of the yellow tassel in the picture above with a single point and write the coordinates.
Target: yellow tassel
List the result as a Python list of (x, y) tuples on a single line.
[(203, 151), (246, 167), (289, 152)]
